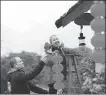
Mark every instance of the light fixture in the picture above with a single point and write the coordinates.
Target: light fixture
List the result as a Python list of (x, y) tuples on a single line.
[(81, 38)]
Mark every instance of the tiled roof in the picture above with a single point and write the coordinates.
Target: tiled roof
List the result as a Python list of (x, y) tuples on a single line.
[(74, 12)]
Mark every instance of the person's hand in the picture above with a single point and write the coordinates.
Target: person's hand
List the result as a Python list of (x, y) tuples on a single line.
[(47, 46), (46, 57)]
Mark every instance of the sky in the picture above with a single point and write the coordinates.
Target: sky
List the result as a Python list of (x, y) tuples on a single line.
[(27, 25)]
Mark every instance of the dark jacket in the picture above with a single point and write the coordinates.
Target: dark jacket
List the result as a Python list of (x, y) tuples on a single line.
[(20, 80)]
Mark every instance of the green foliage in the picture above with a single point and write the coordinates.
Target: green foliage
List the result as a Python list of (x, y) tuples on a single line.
[(29, 59), (85, 64), (86, 68)]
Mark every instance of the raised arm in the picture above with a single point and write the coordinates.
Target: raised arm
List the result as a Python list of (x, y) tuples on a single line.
[(71, 51), (32, 74)]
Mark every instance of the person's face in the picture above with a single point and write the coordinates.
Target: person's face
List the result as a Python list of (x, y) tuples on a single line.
[(55, 41), (19, 64)]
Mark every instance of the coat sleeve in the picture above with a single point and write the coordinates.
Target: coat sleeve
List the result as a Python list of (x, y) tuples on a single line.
[(32, 74), (36, 89), (71, 51)]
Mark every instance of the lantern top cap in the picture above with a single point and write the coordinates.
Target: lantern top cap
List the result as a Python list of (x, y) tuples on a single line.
[(81, 36)]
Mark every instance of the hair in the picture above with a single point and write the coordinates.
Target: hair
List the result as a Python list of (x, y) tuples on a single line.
[(12, 62), (47, 46)]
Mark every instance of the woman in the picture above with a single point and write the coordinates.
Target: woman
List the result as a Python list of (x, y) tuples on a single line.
[(55, 46)]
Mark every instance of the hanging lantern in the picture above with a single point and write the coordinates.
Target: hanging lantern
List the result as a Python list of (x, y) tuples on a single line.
[(56, 59), (57, 68), (81, 40), (99, 56), (98, 9), (98, 25), (98, 40), (58, 77), (59, 85), (81, 37)]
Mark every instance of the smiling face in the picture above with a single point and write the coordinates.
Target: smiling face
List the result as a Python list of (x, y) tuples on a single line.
[(19, 63), (54, 40)]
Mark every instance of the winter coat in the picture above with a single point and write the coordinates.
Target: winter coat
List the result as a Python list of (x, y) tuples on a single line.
[(19, 79)]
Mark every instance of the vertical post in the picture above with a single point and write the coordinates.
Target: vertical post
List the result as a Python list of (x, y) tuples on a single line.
[(77, 73), (70, 83)]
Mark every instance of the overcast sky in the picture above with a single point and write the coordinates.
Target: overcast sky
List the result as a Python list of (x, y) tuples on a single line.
[(27, 25)]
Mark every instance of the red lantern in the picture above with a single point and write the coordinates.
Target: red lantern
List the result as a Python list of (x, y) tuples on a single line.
[(59, 85), (57, 68), (98, 40), (99, 56), (98, 25), (98, 9), (58, 77), (56, 59)]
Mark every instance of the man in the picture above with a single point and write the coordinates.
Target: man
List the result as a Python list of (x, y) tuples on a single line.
[(19, 79)]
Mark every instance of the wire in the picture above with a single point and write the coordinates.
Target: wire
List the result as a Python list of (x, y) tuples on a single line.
[(81, 26)]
